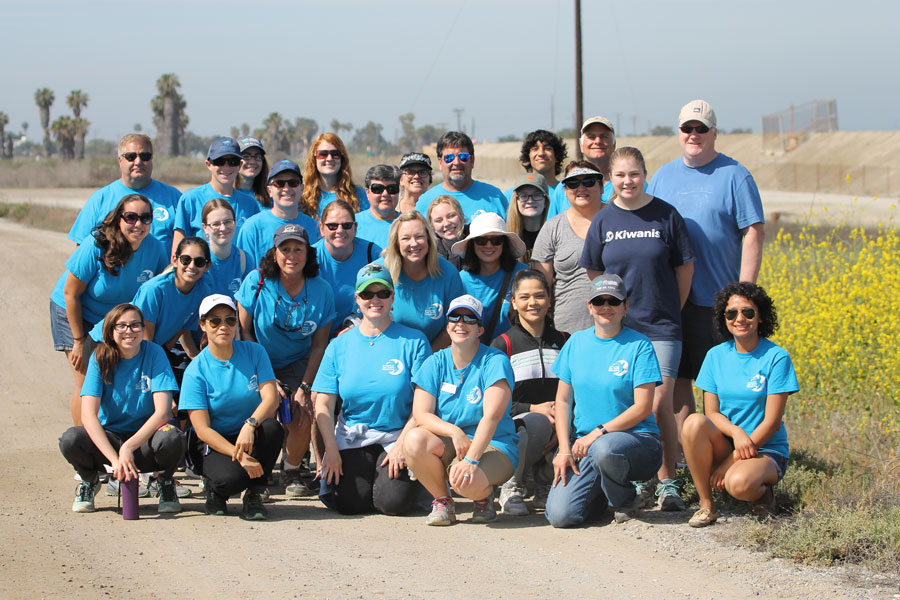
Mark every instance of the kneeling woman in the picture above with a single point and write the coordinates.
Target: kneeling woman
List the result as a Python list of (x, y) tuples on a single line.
[(740, 445), (610, 372), (464, 433), (126, 403), (370, 367), (229, 394)]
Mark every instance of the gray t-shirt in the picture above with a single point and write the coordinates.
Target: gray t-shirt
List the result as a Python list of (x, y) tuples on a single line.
[(558, 243)]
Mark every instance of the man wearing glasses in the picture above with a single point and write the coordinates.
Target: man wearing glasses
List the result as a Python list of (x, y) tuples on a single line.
[(597, 142), (135, 154), (722, 209), (456, 156), (383, 193)]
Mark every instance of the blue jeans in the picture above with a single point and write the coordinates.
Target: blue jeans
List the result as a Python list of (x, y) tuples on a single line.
[(614, 460)]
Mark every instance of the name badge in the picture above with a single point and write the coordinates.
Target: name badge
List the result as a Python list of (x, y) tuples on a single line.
[(448, 387)]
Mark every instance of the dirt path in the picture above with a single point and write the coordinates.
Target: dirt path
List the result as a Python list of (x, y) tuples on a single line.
[(305, 550)]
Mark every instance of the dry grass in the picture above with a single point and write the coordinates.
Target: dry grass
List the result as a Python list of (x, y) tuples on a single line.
[(42, 217)]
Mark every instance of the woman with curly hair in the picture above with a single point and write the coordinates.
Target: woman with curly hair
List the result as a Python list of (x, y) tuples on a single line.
[(327, 177), (740, 445)]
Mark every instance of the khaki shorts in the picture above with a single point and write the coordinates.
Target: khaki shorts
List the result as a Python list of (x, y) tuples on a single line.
[(495, 464)]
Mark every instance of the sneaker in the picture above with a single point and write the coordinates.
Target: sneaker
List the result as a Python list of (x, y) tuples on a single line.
[(443, 512), (668, 497), (84, 497), (541, 492), (645, 493), (625, 513), (253, 507), (180, 490), (703, 517), (484, 510), (112, 489), (765, 507), (168, 497), (295, 486), (511, 502), (216, 504)]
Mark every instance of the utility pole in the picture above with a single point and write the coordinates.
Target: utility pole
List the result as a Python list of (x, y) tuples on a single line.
[(459, 112), (634, 120), (579, 113)]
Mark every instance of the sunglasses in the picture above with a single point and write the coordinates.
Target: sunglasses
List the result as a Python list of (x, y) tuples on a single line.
[(134, 327), (377, 188), (462, 156), (323, 154), (231, 161), (345, 226), (467, 319), (280, 183), (493, 241), (416, 173), (368, 294), (600, 301), (132, 217), (199, 261), (131, 156), (689, 129), (217, 321), (732, 313), (587, 182)]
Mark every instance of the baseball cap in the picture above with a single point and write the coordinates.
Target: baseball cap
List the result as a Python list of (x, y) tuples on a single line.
[(284, 165), (415, 158), (697, 110), (466, 301), (535, 179), (223, 146), (290, 231), (598, 119), (607, 285), (214, 300), (251, 142), (373, 273)]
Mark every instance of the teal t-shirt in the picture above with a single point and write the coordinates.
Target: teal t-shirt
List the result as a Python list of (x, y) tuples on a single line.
[(255, 237), (341, 276)]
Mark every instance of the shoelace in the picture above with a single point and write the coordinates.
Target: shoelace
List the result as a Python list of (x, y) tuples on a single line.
[(445, 502), (667, 488), (85, 492)]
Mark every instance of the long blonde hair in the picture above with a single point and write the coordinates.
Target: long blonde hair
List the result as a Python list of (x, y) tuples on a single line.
[(344, 190), (393, 262)]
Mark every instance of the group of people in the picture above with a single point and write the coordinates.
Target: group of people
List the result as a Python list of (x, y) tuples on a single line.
[(418, 342)]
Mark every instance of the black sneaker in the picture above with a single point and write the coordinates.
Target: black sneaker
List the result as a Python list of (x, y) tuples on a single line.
[(253, 507), (216, 504), (168, 497)]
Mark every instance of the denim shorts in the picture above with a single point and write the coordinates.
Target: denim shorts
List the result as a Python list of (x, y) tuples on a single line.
[(61, 331), (781, 461), (668, 353)]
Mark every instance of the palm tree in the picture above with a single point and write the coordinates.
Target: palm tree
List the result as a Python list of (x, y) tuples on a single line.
[(301, 135), (44, 98), (64, 130), (169, 116), (273, 138), (4, 121), (76, 101), (80, 128)]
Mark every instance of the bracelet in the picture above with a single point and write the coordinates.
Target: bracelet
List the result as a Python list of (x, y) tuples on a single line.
[(470, 461), (78, 339)]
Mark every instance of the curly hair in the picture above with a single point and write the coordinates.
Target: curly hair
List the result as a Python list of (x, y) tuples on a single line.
[(524, 275), (768, 316), (115, 249), (548, 138), (269, 269), (312, 188), (107, 352)]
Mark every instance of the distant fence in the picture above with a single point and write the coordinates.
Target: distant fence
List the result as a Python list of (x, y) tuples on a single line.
[(786, 129), (872, 180)]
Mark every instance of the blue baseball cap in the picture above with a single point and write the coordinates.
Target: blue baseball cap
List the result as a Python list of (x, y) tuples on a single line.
[(373, 273), (285, 165), (290, 231), (251, 142), (223, 146)]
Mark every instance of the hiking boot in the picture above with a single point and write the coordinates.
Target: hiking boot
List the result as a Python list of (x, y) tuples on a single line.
[(168, 497), (645, 491), (511, 502), (443, 512), (84, 497), (668, 495), (484, 510), (253, 507), (541, 492)]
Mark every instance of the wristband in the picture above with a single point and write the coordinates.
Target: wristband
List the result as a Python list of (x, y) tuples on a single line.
[(603, 430), (78, 339), (471, 462)]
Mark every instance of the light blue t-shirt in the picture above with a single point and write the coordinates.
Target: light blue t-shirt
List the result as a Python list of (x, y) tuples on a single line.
[(225, 276), (421, 304), (105, 290), (717, 201), (282, 324), (373, 375), (163, 198), (459, 393), (477, 198), (559, 203), (341, 276), (372, 229), (742, 380), (189, 212), (255, 237), (228, 389), (603, 374), (127, 403), (326, 198), (486, 289)]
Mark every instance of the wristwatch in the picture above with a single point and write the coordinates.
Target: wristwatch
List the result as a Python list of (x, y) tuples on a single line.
[(252, 422), (305, 387), (603, 430)]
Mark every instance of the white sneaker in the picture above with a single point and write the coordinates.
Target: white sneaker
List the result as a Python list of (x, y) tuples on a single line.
[(511, 501)]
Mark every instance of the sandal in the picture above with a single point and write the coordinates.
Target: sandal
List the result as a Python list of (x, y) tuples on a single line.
[(703, 517)]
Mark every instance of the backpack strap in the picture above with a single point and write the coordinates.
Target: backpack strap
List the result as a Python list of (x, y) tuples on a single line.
[(259, 286), (489, 330), (508, 344), (369, 251)]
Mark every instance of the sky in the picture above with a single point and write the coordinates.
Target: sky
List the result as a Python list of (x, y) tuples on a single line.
[(509, 64)]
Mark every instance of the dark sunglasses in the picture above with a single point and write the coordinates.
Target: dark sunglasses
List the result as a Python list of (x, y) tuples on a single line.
[(467, 319), (216, 321), (345, 226), (493, 241), (587, 182), (131, 156), (732, 313), (369, 294), (199, 261), (600, 301), (335, 154), (462, 156), (231, 161), (377, 188), (280, 183), (132, 217), (689, 129)]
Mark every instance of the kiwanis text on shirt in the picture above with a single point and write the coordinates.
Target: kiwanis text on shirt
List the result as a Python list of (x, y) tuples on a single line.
[(625, 235)]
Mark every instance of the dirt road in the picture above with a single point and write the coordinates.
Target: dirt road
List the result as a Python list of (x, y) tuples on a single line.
[(305, 550)]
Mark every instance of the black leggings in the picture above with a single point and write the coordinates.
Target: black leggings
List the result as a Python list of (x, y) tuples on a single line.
[(227, 477), (161, 452), (366, 486)]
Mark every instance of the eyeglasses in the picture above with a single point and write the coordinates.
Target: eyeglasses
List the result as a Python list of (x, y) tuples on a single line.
[(131, 156), (288, 318), (377, 188), (231, 161), (199, 261), (689, 129), (280, 183), (132, 217), (345, 226), (600, 301), (217, 321), (530, 197), (462, 156), (493, 241), (323, 154), (134, 327), (224, 223), (416, 173), (369, 294), (587, 182), (467, 319), (255, 156), (732, 313)]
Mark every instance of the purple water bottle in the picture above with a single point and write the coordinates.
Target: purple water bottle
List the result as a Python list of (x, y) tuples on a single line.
[(129, 491)]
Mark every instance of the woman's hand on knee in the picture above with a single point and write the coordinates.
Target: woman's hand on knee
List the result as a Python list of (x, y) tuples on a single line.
[(332, 467), (395, 461), (562, 463)]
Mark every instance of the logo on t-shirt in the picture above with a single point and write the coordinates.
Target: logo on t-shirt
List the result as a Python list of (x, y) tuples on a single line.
[(145, 275), (434, 311), (393, 366), (757, 383), (309, 327), (627, 235), (160, 213), (619, 368), (253, 384), (143, 384), (474, 396), (235, 285)]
